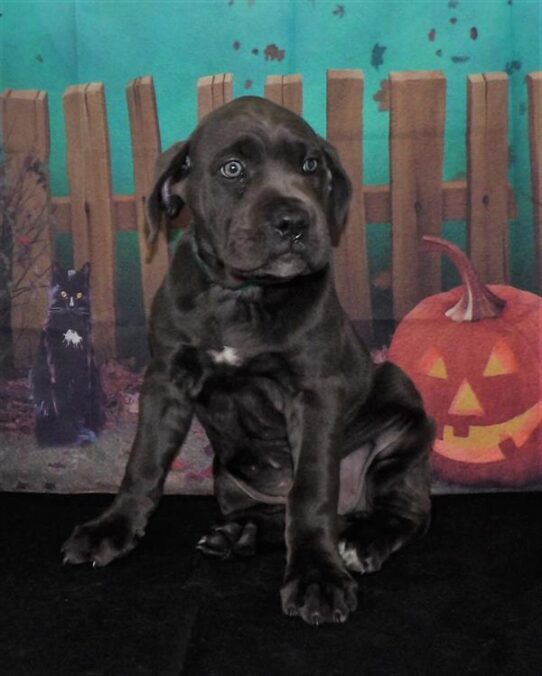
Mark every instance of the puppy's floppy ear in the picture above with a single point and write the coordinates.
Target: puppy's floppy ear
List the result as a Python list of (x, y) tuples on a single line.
[(340, 193), (167, 195)]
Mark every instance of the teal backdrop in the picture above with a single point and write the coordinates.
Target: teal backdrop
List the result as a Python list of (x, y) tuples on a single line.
[(50, 45)]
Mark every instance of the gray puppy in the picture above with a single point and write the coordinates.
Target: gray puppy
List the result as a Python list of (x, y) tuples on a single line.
[(312, 441)]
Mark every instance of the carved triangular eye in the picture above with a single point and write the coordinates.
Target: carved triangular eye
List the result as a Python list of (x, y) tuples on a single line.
[(501, 360), (432, 364)]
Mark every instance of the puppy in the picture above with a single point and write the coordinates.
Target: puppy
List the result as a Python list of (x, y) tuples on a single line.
[(313, 443)]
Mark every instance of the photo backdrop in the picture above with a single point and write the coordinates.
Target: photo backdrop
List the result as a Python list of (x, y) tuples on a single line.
[(51, 46)]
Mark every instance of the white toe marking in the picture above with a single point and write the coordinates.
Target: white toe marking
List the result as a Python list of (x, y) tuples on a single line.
[(350, 557), (228, 355)]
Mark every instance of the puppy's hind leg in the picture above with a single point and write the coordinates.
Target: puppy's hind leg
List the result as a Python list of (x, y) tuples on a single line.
[(395, 504), (230, 538), (247, 521)]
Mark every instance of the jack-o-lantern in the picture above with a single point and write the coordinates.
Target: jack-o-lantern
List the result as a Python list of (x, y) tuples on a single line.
[(475, 355)]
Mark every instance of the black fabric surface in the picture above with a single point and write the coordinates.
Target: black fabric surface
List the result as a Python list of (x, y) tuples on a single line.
[(466, 599)]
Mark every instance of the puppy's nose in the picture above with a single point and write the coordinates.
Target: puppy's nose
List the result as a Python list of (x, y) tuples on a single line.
[(291, 225)]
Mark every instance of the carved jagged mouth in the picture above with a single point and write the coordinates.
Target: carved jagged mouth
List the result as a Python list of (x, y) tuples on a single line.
[(483, 443)]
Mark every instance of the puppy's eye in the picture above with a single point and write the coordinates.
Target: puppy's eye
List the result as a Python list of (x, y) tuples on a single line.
[(232, 169), (63, 294), (79, 294), (310, 165)]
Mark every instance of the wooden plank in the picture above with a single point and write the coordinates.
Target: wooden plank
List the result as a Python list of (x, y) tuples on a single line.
[(222, 89), (417, 115), (286, 90), (534, 85), (146, 147), (205, 96), (123, 208), (273, 89), (377, 207), (344, 131), (92, 212), (61, 213), (25, 132), (292, 93), (454, 202), (487, 175), (213, 92), (377, 203)]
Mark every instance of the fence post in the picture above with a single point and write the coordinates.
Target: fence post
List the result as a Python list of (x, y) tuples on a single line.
[(286, 90), (534, 84), (417, 116), (487, 175), (146, 147), (345, 132), (27, 217), (92, 211), (213, 92)]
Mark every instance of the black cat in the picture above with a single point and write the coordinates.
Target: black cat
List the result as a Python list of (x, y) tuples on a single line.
[(68, 397)]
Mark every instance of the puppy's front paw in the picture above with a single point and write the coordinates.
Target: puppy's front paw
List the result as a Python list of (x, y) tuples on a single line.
[(100, 541), (319, 595)]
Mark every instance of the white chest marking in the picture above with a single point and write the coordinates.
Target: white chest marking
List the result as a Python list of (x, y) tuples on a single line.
[(72, 338), (228, 355)]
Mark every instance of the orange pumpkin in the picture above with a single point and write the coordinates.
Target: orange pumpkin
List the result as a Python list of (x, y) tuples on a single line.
[(475, 355)]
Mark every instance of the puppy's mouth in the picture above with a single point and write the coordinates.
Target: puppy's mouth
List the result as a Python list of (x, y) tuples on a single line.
[(276, 270)]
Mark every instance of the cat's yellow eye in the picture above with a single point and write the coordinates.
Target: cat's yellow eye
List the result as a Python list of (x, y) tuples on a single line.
[(79, 294), (63, 294)]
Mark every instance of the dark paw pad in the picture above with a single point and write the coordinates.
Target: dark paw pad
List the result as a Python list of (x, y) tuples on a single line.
[(228, 539), (321, 597), (99, 542)]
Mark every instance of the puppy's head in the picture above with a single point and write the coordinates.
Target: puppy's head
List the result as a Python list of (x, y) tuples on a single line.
[(269, 196)]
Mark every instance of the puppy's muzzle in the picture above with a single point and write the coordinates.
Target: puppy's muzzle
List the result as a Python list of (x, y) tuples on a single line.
[(289, 221)]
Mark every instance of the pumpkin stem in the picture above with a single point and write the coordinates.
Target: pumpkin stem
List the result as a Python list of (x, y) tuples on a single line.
[(477, 301)]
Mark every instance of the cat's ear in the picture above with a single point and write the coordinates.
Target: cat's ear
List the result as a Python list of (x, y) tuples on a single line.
[(168, 194), (57, 273), (85, 271)]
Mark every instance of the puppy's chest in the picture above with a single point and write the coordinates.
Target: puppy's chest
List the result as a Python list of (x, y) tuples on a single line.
[(240, 362), (235, 332), (228, 362), (234, 346), (226, 356), (240, 374)]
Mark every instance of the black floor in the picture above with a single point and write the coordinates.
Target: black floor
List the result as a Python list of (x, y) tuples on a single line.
[(467, 599)]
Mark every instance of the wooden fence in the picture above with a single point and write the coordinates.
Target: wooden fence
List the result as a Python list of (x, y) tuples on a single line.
[(415, 202)]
